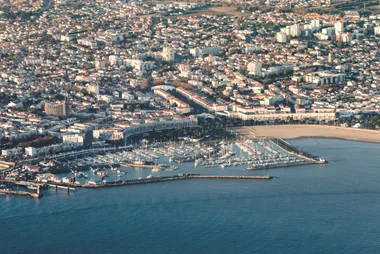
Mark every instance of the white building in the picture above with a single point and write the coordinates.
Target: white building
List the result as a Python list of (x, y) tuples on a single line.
[(168, 54), (161, 125), (323, 78), (100, 64), (281, 37), (315, 24), (94, 89), (339, 28), (127, 96), (255, 68), (73, 138), (295, 30), (377, 30), (345, 37), (196, 52), (328, 31)]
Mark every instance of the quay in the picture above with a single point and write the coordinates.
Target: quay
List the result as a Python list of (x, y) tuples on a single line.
[(20, 193), (160, 179)]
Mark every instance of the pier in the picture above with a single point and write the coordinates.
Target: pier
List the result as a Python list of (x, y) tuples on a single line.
[(68, 188)]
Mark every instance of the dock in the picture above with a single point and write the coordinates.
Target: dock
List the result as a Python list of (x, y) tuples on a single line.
[(133, 165), (182, 159)]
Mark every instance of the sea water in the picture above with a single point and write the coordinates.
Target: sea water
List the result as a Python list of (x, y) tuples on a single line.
[(332, 208)]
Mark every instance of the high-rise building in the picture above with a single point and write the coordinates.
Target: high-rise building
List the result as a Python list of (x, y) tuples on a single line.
[(315, 24), (60, 108), (330, 57), (339, 28), (281, 37), (57, 109), (295, 30), (168, 54)]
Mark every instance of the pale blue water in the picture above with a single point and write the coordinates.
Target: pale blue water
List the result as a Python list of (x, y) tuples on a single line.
[(331, 208)]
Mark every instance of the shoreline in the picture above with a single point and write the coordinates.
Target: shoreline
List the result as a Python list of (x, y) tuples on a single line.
[(299, 131)]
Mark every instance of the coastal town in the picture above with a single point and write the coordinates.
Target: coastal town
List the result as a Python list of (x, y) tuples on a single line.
[(91, 84)]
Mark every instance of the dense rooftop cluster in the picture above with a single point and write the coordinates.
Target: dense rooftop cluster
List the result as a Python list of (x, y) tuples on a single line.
[(133, 63)]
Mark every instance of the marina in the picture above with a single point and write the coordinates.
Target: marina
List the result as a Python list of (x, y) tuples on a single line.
[(156, 162)]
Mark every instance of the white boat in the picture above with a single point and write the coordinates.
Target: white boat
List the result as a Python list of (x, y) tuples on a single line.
[(156, 169), (91, 182), (149, 176)]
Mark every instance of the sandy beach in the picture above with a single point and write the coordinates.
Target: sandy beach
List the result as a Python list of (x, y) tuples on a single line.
[(304, 131)]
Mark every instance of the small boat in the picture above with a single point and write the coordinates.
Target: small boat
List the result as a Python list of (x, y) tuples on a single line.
[(172, 168), (149, 176)]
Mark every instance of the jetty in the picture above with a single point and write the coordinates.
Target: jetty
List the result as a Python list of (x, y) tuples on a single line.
[(20, 193), (158, 180), (297, 152), (280, 165)]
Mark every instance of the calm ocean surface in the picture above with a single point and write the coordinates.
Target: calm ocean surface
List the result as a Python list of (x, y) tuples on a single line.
[(331, 208)]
